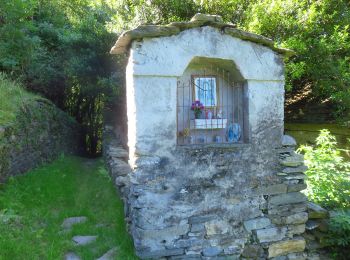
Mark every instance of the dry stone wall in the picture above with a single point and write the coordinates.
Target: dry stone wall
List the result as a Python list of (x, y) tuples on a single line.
[(39, 134), (214, 202)]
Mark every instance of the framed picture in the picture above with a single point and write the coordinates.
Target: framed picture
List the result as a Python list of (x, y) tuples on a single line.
[(204, 90)]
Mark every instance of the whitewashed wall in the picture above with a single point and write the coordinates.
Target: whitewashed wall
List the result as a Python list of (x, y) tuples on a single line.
[(155, 65)]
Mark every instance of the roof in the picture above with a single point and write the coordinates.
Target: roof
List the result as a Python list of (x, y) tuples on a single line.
[(151, 31)]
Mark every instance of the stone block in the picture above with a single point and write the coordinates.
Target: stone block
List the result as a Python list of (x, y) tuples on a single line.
[(296, 256), (120, 168), (271, 234), (217, 227), (170, 233), (296, 176), (312, 224), (286, 247), (207, 18), (287, 198), (295, 230), (200, 219), (83, 240), (287, 140), (182, 243), (316, 212), (118, 152), (70, 222), (298, 169), (294, 160), (257, 223), (146, 254), (252, 251), (272, 189), (298, 218), (197, 227), (297, 187), (212, 251)]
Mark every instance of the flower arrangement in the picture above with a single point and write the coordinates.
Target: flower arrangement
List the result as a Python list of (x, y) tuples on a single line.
[(197, 107)]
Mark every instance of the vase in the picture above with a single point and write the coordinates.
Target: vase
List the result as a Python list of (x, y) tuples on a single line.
[(197, 114)]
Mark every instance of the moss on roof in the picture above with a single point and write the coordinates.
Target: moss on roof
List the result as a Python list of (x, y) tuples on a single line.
[(150, 31)]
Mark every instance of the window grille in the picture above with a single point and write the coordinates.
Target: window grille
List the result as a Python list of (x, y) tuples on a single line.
[(210, 108)]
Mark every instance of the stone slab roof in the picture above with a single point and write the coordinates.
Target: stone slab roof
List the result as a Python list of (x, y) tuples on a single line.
[(150, 31)]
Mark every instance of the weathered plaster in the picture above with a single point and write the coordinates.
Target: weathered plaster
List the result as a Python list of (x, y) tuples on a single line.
[(169, 56)]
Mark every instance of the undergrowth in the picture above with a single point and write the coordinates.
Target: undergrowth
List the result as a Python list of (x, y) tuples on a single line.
[(12, 98)]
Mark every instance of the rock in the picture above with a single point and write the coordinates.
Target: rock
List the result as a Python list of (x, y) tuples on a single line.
[(300, 176), (296, 256), (298, 218), (156, 254), (315, 211), (297, 187), (272, 189), (71, 256), (295, 230), (217, 227), (110, 254), (270, 234), (169, 233), (188, 242), (118, 152), (294, 160), (69, 222), (298, 169), (257, 223), (197, 227), (83, 240), (206, 17), (122, 181), (249, 36), (252, 251), (287, 198), (200, 219), (120, 168), (312, 224), (212, 251), (287, 140), (286, 247)]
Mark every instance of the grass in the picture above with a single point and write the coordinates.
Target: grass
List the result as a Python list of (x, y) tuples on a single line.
[(33, 207), (12, 98)]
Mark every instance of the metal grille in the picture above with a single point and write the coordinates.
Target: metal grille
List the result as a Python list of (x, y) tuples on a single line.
[(209, 109)]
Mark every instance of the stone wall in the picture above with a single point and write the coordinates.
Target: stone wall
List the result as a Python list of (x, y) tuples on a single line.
[(39, 134), (214, 202)]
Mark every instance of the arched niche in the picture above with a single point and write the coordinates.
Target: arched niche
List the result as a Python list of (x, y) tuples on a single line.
[(218, 86)]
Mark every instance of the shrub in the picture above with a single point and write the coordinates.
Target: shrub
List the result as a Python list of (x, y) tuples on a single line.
[(328, 174)]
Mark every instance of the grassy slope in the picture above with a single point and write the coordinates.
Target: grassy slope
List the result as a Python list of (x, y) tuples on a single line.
[(12, 96), (33, 206)]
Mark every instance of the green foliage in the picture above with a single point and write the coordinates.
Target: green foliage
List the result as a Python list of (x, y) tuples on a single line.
[(60, 49), (328, 174), (33, 207), (320, 34), (339, 230), (13, 97)]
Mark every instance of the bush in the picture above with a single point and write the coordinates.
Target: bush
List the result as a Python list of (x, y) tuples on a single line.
[(328, 174)]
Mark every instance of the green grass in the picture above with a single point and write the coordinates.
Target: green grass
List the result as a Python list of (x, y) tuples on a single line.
[(33, 207), (12, 98)]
